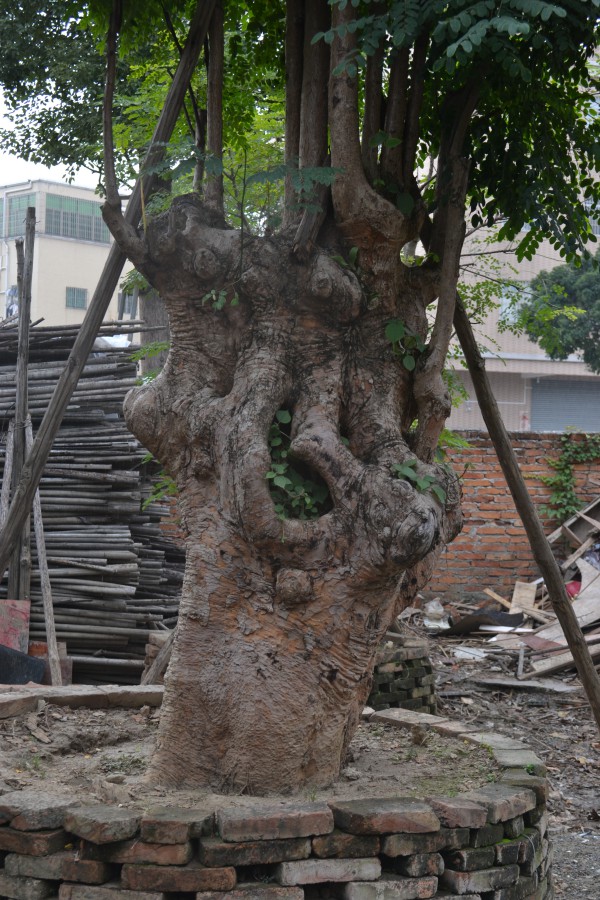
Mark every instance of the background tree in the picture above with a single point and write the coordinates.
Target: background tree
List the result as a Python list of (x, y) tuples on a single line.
[(561, 312), (303, 359)]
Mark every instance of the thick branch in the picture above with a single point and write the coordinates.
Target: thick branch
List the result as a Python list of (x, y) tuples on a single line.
[(431, 394), (391, 153), (110, 178), (413, 115), (313, 110), (294, 42), (366, 217), (372, 114), (213, 191)]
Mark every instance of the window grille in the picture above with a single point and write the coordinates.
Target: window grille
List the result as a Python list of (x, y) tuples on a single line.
[(77, 298), (75, 218), (17, 209)]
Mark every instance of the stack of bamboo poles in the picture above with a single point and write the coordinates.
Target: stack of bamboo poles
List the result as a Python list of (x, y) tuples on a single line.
[(115, 577)]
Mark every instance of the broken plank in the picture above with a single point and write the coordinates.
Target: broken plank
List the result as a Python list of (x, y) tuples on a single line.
[(527, 683), (557, 663), (523, 596)]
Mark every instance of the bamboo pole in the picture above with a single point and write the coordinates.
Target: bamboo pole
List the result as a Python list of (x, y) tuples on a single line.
[(538, 541), (38, 525), (34, 466)]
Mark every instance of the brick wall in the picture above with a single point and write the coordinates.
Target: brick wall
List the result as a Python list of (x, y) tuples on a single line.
[(492, 550)]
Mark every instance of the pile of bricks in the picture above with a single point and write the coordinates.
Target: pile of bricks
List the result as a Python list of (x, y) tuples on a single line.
[(488, 844), (403, 677)]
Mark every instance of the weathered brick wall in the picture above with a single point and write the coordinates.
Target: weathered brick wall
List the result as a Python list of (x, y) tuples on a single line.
[(492, 550)]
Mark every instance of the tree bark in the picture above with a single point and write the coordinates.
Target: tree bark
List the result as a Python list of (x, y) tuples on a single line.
[(280, 619)]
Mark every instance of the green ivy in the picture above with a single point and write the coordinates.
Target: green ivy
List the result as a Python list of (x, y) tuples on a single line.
[(564, 502), (295, 493)]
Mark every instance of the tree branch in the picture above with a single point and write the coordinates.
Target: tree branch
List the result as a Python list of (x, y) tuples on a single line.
[(110, 178), (372, 114), (415, 103), (294, 57), (213, 191), (391, 156)]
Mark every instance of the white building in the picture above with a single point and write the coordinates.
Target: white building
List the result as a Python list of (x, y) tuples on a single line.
[(71, 246), (533, 392)]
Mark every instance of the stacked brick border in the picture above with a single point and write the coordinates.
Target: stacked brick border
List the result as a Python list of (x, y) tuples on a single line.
[(487, 844), (403, 677)]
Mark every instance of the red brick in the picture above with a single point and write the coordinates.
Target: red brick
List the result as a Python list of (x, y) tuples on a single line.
[(64, 866), (192, 877), (102, 824), (135, 851), (270, 821), (39, 843), (214, 852)]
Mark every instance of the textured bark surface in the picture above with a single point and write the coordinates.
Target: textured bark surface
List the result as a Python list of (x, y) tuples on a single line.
[(280, 619)]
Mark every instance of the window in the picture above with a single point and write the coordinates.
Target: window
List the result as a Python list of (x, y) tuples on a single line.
[(17, 210), (76, 298), (75, 218)]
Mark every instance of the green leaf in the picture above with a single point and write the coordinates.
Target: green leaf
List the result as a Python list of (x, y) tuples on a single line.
[(281, 481), (439, 492), (283, 416), (408, 361), (395, 331)]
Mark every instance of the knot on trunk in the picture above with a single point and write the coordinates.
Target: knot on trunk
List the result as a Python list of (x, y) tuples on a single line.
[(294, 586)]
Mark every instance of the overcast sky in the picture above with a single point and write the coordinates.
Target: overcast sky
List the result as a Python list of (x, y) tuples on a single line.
[(14, 170)]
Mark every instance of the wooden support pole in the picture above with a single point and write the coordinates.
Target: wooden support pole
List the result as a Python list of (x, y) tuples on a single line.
[(38, 525), (34, 466), (538, 541), (20, 569)]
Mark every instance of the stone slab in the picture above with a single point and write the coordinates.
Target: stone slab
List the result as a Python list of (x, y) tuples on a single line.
[(271, 821), (192, 877), (457, 812), (407, 844), (255, 891), (102, 824), (112, 891), (34, 810), (24, 888), (64, 866), (520, 759), (349, 846), (136, 851), (384, 816), (503, 801), (318, 871), (173, 825), (481, 881), (214, 852), (406, 718), (39, 843), (392, 887), (16, 704), (494, 740)]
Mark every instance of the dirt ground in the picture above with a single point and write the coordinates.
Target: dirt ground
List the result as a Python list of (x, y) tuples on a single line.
[(101, 756)]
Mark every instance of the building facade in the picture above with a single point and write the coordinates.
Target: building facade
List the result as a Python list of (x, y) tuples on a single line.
[(533, 392), (71, 246)]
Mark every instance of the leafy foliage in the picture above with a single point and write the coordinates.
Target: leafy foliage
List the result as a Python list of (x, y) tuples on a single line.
[(564, 502), (405, 343), (408, 471), (562, 311), (296, 493)]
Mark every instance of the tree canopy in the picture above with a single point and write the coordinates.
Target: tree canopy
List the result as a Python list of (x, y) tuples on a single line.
[(561, 311)]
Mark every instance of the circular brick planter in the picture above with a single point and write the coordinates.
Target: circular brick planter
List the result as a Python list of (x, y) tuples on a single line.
[(487, 844), (403, 677)]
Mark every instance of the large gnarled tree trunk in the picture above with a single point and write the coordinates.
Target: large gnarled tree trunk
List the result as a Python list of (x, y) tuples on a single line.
[(280, 619)]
